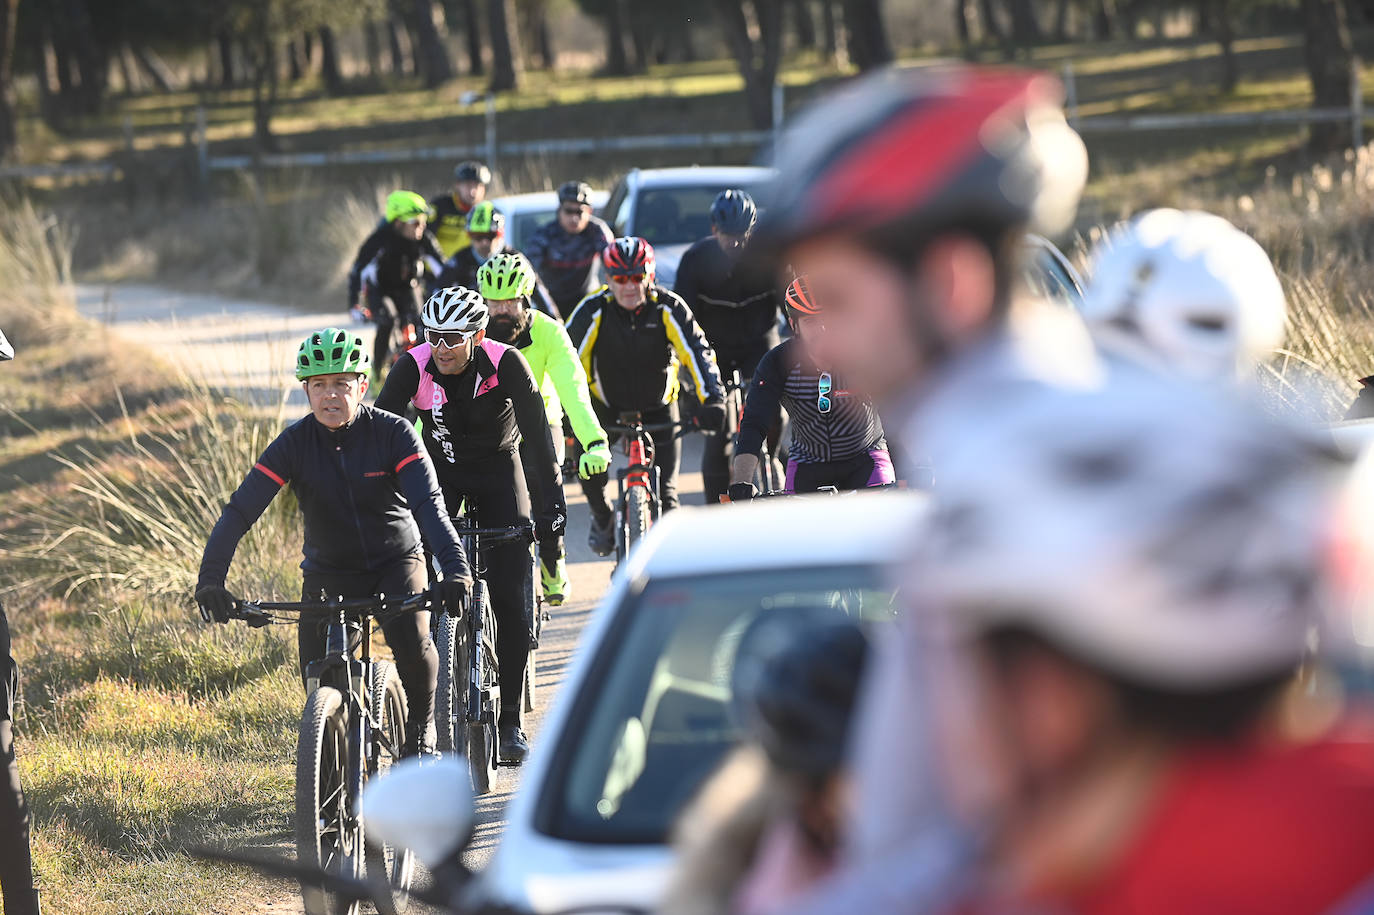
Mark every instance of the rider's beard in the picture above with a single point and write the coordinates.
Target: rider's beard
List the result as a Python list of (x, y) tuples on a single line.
[(505, 329)]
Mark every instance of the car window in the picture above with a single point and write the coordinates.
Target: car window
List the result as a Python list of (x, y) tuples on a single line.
[(616, 210), (1047, 277), (675, 215), (523, 225), (660, 715)]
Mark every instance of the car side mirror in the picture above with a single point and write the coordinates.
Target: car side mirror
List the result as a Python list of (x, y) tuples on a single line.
[(423, 806)]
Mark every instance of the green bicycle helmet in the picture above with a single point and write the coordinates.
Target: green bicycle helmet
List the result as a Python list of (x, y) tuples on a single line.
[(508, 275), (329, 351), (486, 219), (405, 205)]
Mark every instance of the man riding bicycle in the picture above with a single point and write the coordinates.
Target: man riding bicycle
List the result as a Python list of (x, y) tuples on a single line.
[(388, 267), (564, 252), (477, 399), (487, 229), (505, 282), (452, 210), (837, 437), (736, 305), (363, 480), (631, 338)]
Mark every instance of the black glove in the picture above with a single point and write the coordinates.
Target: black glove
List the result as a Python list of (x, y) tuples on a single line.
[(548, 528), (711, 417), (451, 595), (741, 492), (216, 604)]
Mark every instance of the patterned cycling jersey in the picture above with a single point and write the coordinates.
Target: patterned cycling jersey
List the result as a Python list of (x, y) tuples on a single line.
[(829, 422)]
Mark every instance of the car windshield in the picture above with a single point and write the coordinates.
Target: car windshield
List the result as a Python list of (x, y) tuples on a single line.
[(658, 715), (675, 215), (521, 226)]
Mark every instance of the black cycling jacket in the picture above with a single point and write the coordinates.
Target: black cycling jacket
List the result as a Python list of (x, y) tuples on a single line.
[(567, 263), (482, 411), (361, 490), (632, 357), (461, 270), (785, 377), (389, 262), (736, 306)]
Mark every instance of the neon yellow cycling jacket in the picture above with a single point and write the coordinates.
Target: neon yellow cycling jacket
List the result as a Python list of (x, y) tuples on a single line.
[(561, 378)]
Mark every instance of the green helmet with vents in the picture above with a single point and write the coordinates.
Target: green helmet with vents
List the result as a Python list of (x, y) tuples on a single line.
[(330, 351), (508, 275), (486, 219), (405, 205)]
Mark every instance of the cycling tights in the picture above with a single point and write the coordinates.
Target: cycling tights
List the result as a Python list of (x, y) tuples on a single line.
[(872, 468), (552, 551)]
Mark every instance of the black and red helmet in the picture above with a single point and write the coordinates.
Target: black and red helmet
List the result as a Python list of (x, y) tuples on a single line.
[(800, 302), (628, 256), (899, 154)]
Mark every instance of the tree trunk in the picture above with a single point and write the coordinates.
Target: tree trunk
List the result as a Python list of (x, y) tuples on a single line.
[(617, 63), (1331, 65), (1025, 28), (992, 26), (472, 31), (1104, 19), (329, 61), (836, 45), (155, 68), (295, 69), (263, 59), (1230, 75), (86, 53), (308, 51), (372, 47), (868, 45), (804, 23), (9, 136), (393, 46), (534, 21), (435, 64), (228, 73), (1061, 21), (505, 47), (758, 65), (641, 42), (128, 70), (687, 44)]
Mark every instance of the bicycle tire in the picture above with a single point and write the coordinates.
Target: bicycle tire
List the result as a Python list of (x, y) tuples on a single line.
[(638, 516), (481, 734), (387, 704), (531, 597), (451, 695), (324, 839)]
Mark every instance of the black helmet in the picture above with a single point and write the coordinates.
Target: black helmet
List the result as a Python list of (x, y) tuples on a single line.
[(579, 192), (734, 213), (804, 698), (472, 171)]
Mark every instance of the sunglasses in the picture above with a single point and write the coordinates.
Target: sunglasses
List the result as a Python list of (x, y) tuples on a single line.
[(570, 211), (481, 236), (412, 223), (823, 393), (632, 279), (451, 339)]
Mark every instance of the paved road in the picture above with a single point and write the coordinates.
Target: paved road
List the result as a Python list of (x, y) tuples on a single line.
[(248, 349)]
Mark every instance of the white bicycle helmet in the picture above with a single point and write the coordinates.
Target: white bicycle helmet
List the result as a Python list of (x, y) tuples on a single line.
[(1188, 293), (455, 308), (1155, 533)]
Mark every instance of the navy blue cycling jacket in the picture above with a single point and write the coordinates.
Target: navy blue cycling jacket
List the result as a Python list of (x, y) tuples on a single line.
[(361, 490)]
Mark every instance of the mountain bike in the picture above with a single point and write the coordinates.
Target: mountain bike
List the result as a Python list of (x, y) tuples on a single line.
[(637, 504), (767, 477), (468, 699), (352, 729)]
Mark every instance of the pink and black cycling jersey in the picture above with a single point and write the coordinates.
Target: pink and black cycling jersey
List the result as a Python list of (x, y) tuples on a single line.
[(847, 427)]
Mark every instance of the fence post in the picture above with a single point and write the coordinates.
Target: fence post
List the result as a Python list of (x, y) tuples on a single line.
[(202, 152), (1356, 108), (777, 109), (1071, 95), (491, 131)]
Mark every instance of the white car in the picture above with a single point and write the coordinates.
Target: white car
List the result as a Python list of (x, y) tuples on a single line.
[(525, 213), (646, 713), (671, 207)]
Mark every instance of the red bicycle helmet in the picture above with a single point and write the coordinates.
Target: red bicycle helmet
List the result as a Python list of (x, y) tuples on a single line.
[(899, 154), (628, 256)]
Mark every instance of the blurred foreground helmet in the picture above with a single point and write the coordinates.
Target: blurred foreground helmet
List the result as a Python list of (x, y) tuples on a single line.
[(1175, 540), (6, 350), (1188, 292), (901, 154)]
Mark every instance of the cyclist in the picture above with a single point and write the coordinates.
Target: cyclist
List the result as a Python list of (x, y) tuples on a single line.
[(477, 399), (505, 282), (362, 479), (631, 337), (1186, 293), (837, 437), (452, 211), (487, 229), (564, 252), (1127, 580), (388, 267), (736, 305)]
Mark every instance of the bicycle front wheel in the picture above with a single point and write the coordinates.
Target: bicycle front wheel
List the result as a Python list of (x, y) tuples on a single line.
[(450, 699), (638, 516), (327, 837), (530, 596), (388, 707)]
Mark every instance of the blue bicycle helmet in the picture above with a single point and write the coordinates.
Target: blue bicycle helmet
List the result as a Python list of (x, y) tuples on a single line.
[(734, 213)]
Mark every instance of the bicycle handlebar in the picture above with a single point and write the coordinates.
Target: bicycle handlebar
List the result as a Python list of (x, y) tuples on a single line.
[(258, 613), (515, 532)]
